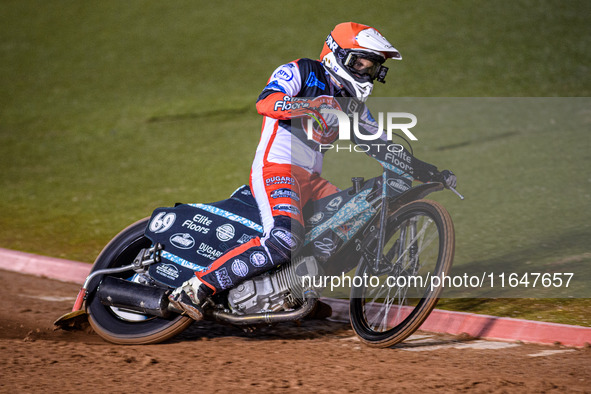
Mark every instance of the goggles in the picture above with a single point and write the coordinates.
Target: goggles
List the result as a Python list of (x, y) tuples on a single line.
[(371, 67)]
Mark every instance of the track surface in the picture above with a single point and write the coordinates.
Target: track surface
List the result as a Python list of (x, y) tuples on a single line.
[(321, 356)]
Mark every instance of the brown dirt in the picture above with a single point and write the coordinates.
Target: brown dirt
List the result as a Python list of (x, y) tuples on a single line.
[(321, 356)]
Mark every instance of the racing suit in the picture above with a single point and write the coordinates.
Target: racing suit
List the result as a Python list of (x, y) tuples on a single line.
[(285, 173)]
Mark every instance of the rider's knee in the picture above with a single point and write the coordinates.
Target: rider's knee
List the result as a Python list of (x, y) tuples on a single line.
[(284, 239)]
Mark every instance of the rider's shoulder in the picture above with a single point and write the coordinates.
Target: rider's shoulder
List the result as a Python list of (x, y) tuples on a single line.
[(307, 66), (308, 63), (302, 66)]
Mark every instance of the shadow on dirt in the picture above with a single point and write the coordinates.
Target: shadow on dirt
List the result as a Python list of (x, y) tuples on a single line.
[(302, 330)]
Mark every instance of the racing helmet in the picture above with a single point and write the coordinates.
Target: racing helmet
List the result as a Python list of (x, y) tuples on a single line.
[(342, 55)]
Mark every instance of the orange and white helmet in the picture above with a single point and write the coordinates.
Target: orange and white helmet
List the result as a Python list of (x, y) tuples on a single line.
[(345, 46)]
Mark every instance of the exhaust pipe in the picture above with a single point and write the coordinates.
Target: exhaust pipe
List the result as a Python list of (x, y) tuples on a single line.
[(270, 317), (151, 300), (120, 293)]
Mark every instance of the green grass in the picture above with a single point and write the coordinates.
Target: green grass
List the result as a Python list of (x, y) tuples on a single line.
[(554, 310), (110, 109)]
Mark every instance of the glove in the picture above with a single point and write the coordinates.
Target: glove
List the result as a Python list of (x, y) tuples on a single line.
[(303, 106), (324, 126), (312, 108), (449, 179)]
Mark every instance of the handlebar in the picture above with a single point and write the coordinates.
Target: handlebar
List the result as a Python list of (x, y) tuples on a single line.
[(456, 193)]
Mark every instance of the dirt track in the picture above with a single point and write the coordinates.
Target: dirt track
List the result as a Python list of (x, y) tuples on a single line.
[(318, 356)]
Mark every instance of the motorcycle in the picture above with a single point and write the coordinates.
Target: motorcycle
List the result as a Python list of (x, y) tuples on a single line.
[(382, 228)]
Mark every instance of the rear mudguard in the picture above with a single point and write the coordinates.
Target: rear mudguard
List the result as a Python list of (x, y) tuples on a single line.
[(195, 235)]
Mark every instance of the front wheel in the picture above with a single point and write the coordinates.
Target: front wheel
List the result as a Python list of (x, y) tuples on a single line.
[(114, 324), (398, 296)]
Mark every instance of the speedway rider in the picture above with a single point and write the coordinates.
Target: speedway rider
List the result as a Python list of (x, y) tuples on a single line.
[(287, 165)]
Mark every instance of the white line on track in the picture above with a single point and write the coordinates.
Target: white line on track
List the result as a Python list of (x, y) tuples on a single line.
[(50, 298), (544, 353), (476, 345)]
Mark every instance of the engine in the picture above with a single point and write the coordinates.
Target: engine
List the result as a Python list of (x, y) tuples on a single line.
[(278, 290)]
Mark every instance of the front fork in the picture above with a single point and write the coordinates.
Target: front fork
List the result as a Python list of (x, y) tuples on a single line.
[(408, 233), (383, 223)]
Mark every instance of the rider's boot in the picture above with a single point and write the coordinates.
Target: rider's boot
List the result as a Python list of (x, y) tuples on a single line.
[(189, 298)]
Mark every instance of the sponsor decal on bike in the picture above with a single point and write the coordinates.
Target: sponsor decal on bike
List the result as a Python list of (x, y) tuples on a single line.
[(316, 218), (334, 204), (284, 238), (285, 193), (343, 229), (325, 246), (225, 232), (199, 223), (182, 262), (182, 241), (224, 278), (401, 160), (230, 216), (360, 198), (239, 268), (287, 208), (355, 213), (258, 259), (245, 238), (168, 271), (162, 222), (405, 174), (280, 180), (208, 251), (397, 184)]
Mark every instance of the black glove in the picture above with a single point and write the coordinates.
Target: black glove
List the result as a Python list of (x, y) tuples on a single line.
[(449, 178)]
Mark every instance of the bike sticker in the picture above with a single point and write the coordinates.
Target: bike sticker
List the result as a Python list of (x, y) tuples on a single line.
[(325, 246), (199, 223), (397, 184), (245, 238), (182, 241), (334, 204), (357, 211), (162, 222), (208, 251), (224, 278), (316, 218), (258, 259), (225, 232), (182, 262), (396, 170), (239, 268), (231, 216), (168, 271)]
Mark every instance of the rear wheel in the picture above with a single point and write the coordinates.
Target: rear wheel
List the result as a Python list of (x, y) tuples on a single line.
[(125, 327), (398, 297)]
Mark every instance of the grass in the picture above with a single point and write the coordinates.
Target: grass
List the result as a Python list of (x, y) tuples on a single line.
[(554, 310), (110, 109)]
